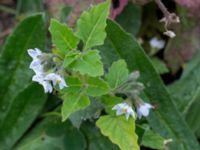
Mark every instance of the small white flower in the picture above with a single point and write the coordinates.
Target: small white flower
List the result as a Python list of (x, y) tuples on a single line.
[(143, 110), (47, 87), (34, 53), (124, 108), (35, 65), (47, 80), (56, 79), (157, 43), (169, 33), (46, 84)]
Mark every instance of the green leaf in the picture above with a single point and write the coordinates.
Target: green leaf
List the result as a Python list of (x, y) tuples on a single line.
[(118, 73), (89, 63), (29, 6), (91, 112), (159, 65), (74, 85), (70, 57), (167, 119), (62, 36), (186, 93), (52, 134), (109, 102), (130, 18), (14, 64), (17, 121), (96, 141), (72, 103), (91, 25), (120, 131), (97, 87), (151, 139)]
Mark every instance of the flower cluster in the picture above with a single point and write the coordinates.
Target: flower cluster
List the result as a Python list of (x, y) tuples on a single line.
[(132, 88), (46, 79), (123, 108)]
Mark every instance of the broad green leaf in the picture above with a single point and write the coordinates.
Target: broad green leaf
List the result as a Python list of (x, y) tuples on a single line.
[(14, 64), (72, 103), (89, 63), (118, 73), (109, 102), (186, 92), (91, 112), (70, 57), (166, 120), (29, 6), (108, 54), (51, 134), (91, 25), (120, 131), (96, 141), (62, 36), (130, 18), (24, 109), (97, 87)]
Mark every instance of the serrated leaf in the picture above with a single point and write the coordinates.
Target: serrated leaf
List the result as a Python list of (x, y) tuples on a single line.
[(70, 57), (162, 121), (97, 87), (117, 74), (89, 63), (149, 138), (72, 103), (91, 25), (74, 85), (152, 140), (17, 121), (96, 141), (62, 36), (120, 131)]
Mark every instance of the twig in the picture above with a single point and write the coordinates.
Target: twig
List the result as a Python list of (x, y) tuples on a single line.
[(7, 10)]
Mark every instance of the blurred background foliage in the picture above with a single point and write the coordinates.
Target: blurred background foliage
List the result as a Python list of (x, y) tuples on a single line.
[(29, 119)]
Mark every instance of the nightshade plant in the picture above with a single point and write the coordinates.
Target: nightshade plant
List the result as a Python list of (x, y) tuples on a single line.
[(74, 69)]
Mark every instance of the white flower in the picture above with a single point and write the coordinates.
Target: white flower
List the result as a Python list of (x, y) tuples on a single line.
[(35, 65), (56, 79), (143, 110), (157, 43), (169, 33), (46, 84), (34, 53), (124, 108), (41, 76)]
